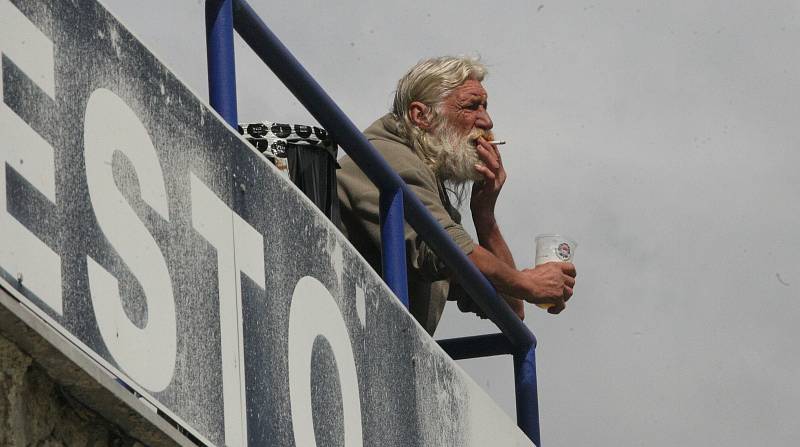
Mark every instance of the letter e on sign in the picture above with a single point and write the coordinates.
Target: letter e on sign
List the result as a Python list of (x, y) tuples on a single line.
[(22, 255)]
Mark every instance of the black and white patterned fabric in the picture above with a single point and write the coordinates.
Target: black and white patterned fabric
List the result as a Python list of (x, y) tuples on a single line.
[(271, 139), (305, 154)]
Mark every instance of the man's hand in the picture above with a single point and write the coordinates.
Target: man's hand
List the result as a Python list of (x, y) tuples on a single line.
[(550, 283), (484, 193)]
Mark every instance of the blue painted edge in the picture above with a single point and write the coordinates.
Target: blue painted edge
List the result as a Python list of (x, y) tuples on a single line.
[(527, 395), (393, 247)]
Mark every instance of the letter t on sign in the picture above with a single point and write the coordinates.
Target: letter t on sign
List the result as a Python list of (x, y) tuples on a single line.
[(240, 249)]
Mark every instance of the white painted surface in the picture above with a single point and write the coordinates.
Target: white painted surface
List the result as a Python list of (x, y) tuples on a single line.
[(22, 254), (146, 354), (482, 408), (361, 306), (314, 313)]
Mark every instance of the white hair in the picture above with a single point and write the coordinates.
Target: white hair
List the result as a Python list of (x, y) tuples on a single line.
[(430, 82)]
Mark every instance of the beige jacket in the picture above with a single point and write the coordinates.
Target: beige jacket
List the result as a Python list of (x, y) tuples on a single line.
[(358, 197)]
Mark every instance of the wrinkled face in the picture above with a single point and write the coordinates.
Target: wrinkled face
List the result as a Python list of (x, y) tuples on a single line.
[(463, 120), (465, 109)]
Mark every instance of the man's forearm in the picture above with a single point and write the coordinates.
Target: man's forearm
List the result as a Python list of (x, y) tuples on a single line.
[(503, 276), (490, 237)]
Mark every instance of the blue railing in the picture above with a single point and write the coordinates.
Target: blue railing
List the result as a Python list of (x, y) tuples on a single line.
[(396, 200)]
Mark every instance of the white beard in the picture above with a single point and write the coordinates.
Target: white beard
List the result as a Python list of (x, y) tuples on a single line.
[(456, 154)]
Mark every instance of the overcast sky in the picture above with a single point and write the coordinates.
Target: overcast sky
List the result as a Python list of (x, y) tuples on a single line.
[(662, 136)]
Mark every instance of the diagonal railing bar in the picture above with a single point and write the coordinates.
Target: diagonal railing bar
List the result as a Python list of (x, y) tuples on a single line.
[(476, 346), (397, 200)]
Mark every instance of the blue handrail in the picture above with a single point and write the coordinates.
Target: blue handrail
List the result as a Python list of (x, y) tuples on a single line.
[(396, 198), (221, 61)]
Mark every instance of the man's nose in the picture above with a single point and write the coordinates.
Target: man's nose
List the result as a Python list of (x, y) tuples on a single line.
[(484, 121)]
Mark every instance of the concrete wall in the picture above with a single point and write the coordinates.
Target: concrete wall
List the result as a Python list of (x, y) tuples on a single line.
[(36, 411)]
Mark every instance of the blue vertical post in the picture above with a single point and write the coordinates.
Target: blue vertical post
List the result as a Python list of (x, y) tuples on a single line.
[(527, 394), (393, 248), (221, 63)]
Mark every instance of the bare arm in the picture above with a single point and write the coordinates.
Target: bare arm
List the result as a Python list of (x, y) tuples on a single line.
[(482, 203)]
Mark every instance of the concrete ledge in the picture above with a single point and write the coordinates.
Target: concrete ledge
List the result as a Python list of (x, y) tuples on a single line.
[(82, 379)]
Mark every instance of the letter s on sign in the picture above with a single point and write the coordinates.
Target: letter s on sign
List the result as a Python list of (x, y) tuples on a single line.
[(313, 312), (147, 355)]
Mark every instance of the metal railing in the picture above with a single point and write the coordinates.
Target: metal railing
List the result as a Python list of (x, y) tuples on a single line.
[(396, 200)]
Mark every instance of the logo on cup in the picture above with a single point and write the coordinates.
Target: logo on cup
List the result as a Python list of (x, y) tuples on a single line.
[(563, 251)]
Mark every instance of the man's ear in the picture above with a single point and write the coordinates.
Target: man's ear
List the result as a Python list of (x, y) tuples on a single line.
[(419, 114)]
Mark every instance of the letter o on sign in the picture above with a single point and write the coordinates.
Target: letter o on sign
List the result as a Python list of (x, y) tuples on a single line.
[(314, 312)]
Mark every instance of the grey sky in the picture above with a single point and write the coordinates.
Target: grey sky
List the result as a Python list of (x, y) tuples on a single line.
[(662, 136)]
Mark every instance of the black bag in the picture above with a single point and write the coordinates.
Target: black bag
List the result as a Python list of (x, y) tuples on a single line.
[(306, 154)]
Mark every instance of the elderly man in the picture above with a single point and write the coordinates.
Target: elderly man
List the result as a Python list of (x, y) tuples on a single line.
[(437, 137)]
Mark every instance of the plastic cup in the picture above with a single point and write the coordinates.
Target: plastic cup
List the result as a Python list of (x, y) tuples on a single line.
[(553, 248)]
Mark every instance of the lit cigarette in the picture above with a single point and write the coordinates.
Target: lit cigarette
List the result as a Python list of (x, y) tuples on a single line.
[(498, 142)]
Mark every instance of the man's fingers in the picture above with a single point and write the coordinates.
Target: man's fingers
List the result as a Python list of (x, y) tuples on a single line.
[(569, 281), (487, 157), (487, 154), (496, 152), (492, 148), (569, 269), (556, 309), (488, 174), (567, 292)]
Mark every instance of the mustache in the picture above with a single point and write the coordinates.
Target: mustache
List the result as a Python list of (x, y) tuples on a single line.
[(476, 133)]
